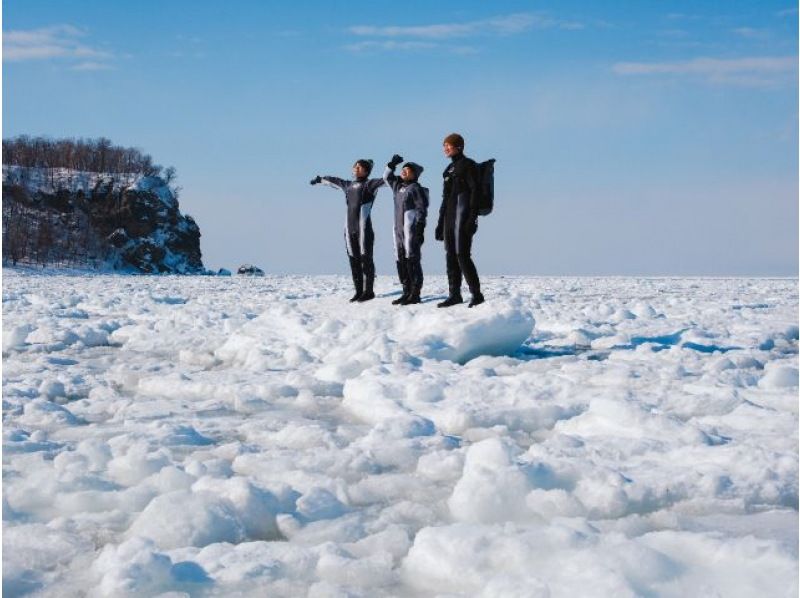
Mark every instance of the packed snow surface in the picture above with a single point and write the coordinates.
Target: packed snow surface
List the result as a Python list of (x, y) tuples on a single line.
[(218, 436)]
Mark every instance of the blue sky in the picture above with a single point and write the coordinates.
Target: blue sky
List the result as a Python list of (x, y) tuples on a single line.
[(650, 138)]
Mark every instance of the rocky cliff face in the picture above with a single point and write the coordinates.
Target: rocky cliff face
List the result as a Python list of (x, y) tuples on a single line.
[(64, 217)]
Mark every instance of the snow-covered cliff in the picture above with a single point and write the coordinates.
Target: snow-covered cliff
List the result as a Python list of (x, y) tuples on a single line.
[(58, 216)]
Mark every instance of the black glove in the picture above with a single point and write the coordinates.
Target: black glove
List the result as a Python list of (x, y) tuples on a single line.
[(439, 233), (474, 227), (396, 159), (316, 180)]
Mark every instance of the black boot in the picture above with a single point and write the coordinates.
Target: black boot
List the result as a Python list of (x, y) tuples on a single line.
[(477, 299), (453, 282), (402, 273), (415, 277), (368, 292), (451, 300), (467, 266), (413, 297), (358, 278), (401, 300)]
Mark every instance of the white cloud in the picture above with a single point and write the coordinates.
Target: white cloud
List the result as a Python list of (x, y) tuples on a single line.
[(390, 45), (424, 31), (57, 41), (750, 71), (91, 66), (751, 33), (501, 25), (409, 46)]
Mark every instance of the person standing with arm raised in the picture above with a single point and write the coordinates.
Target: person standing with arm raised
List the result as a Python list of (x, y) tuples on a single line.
[(458, 221), (358, 234), (410, 214)]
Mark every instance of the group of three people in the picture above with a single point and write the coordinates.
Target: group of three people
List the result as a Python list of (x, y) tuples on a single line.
[(458, 222)]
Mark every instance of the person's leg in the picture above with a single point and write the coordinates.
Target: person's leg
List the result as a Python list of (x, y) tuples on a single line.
[(453, 269), (368, 265), (415, 274), (356, 269), (467, 266), (402, 273), (413, 247), (418, 275), (358, 277), (464, 234)]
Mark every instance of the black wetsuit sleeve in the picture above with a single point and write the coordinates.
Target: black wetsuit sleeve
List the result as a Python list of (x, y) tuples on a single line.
[(443, 208), (335, 182), (421, 205), (440, 223)]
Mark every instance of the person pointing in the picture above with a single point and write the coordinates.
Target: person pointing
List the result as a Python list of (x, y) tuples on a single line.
[(359, 237)]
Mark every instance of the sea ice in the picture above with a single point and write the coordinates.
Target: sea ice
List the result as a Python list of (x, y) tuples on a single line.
[(250, 436)]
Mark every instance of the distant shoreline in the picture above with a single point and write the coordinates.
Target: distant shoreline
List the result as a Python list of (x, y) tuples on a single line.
[(48, 271)]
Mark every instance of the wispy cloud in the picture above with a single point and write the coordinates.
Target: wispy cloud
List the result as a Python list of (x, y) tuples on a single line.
[(410, 46), (750, 71), (91, 66), (751, 33), (680, 16), (390, 45), (415, 36), (55, 42)]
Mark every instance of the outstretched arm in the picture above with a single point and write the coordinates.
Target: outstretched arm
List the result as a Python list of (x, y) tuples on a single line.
[(335, 182)]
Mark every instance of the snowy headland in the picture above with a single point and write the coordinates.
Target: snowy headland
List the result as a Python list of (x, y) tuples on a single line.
[(229, 436)]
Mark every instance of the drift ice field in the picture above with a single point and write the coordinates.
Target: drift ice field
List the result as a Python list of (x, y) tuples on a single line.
[(211, 436)]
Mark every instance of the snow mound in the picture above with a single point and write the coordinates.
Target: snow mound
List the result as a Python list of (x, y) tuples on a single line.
[(137, 568), (354, 338), (781, 376), (212, 511), (367, 399), (492, 488), (493, 328), (574, 559), (184, 518)]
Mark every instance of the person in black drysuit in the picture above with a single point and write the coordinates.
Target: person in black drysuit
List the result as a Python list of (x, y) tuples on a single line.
[(458, 221), (358, 235), (410, 214)]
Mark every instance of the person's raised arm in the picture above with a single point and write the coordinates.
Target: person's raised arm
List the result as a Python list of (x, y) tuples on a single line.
[(388, 174)]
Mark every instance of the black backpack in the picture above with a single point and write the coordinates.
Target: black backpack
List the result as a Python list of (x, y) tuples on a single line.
[(486, 187)]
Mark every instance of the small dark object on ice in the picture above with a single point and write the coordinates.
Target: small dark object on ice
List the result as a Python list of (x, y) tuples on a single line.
[(250, 270)]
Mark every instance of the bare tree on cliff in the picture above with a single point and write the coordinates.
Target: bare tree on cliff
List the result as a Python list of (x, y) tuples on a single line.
[(89, 155)]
